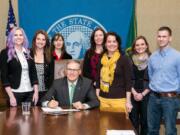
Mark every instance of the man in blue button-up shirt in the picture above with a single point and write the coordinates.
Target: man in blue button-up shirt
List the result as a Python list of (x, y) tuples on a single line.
[(164, 73)]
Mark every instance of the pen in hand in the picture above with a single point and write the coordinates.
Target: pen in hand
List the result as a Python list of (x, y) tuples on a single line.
[(53, 103)]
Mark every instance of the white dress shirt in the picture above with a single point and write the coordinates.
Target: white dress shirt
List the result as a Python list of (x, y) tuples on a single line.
[(25, 84)]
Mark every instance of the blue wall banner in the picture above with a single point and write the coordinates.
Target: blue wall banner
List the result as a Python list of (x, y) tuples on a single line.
[(76, 19)]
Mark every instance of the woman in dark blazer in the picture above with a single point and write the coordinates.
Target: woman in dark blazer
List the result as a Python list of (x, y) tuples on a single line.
[(41, 54), (19, 76)]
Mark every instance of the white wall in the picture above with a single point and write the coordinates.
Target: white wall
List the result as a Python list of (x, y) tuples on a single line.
[(151, 14)]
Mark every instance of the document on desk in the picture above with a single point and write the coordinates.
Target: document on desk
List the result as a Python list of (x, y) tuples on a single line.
[(120, 132), (47, 109), (70, 110), (58, 109)]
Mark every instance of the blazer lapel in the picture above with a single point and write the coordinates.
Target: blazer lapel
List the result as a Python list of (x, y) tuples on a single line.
[(77, 92), (65, 92)]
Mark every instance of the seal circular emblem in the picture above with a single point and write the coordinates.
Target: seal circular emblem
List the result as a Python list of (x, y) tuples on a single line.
[(76, 30)]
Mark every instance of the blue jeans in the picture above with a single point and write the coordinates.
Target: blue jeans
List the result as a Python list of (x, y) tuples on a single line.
[(162, 107)]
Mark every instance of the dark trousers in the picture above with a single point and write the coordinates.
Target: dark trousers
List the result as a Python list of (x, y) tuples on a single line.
[(138, 115), (22, 97), (41, 95)]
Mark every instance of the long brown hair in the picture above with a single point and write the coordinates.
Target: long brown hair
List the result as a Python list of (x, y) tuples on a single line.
[(46, 48), (93, 44)]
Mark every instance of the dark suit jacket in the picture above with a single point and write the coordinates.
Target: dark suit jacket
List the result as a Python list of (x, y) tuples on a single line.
[(11, 71), (84, 92), (48, 72)]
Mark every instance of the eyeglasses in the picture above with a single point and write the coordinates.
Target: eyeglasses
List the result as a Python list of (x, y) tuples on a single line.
[(70, 69)]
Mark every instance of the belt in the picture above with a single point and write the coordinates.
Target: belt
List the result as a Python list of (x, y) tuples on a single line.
[(166, 94)]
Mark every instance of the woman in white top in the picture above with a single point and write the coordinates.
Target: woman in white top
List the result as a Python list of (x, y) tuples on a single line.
[(19, 76)]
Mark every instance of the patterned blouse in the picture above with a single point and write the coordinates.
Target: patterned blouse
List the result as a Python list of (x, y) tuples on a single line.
[(40, 74)]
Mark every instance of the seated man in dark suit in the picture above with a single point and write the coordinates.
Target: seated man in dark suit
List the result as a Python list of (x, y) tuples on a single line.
[(73, 89)]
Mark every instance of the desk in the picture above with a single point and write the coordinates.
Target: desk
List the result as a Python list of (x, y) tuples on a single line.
[(89, 122)]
